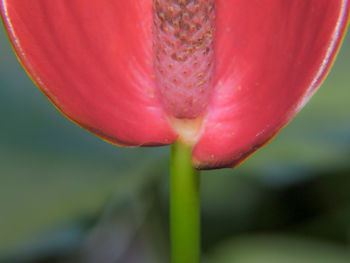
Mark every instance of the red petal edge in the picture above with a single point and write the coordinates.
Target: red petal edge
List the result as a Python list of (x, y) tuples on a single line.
[(271, 56), (93, 60)]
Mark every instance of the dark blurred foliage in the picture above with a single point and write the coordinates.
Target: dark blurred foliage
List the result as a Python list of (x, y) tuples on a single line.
[(67, 196)]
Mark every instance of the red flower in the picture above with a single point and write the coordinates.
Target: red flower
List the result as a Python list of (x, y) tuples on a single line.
[(223, 75)]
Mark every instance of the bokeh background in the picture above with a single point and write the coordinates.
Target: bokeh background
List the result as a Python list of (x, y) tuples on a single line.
[(67, 196)]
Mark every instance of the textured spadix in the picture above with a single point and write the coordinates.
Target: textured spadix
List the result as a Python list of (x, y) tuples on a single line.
[(95, 60)]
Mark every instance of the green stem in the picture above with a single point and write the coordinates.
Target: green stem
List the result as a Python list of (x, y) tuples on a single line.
[(184, 206)]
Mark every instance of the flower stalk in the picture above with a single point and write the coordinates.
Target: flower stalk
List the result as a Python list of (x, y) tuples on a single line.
[(184, 206)]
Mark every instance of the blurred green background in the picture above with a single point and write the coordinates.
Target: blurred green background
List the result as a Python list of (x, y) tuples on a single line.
[(67, 196)]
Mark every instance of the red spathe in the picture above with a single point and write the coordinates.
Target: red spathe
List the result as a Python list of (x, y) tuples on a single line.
[(271, 56), (94, 60)]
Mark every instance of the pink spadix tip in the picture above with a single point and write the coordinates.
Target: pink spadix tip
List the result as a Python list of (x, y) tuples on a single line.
[(184, 55)]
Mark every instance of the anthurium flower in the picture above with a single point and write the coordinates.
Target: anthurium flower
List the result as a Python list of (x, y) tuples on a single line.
[(222, 75)]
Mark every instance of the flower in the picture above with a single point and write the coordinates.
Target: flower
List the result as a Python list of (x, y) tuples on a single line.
[(222, 75)]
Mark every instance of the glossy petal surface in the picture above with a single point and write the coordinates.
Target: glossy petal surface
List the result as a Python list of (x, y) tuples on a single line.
[(93, 59), (271, 56)]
